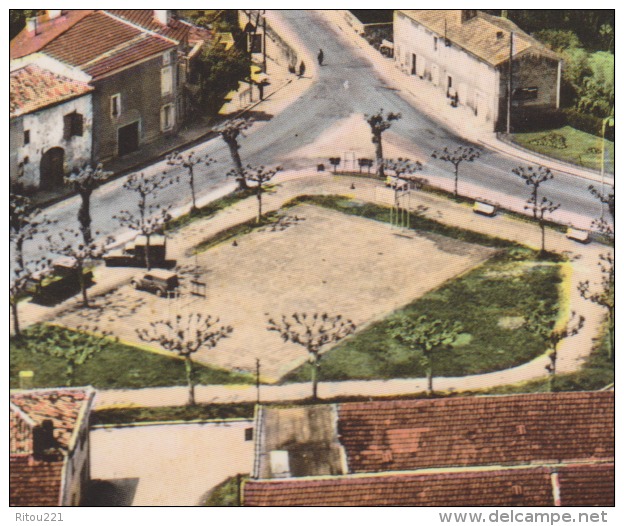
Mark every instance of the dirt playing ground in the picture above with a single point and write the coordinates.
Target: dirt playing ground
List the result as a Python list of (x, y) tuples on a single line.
[(325, 262)]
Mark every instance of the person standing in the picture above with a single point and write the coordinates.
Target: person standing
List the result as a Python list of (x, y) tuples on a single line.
[(320, 57), (301, 69)]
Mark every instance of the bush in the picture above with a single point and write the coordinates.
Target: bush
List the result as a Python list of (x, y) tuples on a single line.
[(588, 123), (552, 140)]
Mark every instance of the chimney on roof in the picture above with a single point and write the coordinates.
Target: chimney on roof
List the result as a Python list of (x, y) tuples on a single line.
[(43, 440), (31, 26), (162, 16), (468, 14), (53, 13)]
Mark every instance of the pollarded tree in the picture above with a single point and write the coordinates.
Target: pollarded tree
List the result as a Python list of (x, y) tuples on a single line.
[(603, 294), (379, 123), (21, 278), (606, 198), (190, 161), (259, 176), (185, 336), (456, 157), (150, 218), (230, 132), (74, 347), (534, 177), (84, 181), (542, 321), (545, 206), (69, 244), (424, 337), (312, 331), (365, 163), (25, 222)]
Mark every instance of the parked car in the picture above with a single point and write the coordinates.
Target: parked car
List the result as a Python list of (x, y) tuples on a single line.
[(157, 281)]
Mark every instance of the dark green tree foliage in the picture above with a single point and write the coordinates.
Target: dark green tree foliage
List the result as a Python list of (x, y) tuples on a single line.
[(220, 71), (17, 20)]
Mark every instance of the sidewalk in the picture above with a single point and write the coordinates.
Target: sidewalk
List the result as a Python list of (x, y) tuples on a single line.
[(290, 184), (460, 120)]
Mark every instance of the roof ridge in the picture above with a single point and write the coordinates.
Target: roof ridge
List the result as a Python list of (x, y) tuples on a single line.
[(139, 27)]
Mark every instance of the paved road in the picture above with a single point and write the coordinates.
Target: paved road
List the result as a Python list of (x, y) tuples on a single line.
[(324, 104)]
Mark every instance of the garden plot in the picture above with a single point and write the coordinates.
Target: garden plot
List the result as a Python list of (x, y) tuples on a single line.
[(326, 261)]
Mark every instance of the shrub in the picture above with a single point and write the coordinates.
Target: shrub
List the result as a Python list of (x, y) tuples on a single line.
[(552, 140)]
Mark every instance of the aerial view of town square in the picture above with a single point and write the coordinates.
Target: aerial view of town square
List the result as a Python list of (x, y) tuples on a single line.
[(283, 258)]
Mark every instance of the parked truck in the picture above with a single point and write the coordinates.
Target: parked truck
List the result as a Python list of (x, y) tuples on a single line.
[(133, 254)]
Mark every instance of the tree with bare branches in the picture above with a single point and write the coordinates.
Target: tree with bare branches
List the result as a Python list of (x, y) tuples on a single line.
[(190, 161), (605, 197), (74, 347), (542, 321), (534, 177), (540, 209), (150, 218), (25, 222), (379, 123), (423, 337), (230, 132), (185, 335), (312, 331), (456, 157), (69, 244), (21, 278), (258, 176), (603, 294), (84, 181)]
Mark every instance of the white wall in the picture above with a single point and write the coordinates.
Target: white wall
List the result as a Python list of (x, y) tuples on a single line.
[(46, 131), (470, 75)]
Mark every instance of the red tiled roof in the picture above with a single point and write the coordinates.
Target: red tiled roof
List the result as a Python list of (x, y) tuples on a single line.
[(34, 88), (178, 30), (62, 406), (470, 431), (34, 482), (100, 43), (26, 43), (587, 485), (510, 487)]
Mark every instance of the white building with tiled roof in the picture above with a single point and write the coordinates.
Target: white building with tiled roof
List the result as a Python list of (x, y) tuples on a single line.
[(465, 54), (51, 120), (49, 446)]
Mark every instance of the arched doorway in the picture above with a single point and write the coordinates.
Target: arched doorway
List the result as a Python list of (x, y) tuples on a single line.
[(51, 169)]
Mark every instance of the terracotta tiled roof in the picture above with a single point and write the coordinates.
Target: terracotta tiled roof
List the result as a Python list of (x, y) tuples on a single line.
[(62, 406), (479, 35), (100, 43), (483, 430), (26, 43), (582, 485), (178, 30), (34, 482), (34, 88), (587, 485), (511, 487)]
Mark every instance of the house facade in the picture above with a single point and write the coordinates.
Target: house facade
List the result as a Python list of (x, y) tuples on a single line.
[(542, 449), (49, 446), (50, 121), (133, 72), (466, 54)]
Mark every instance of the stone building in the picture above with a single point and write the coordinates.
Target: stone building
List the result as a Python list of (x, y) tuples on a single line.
[(466, 53), (50, 121)]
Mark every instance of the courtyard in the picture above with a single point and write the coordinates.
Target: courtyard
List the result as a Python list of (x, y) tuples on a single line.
[(318, 260)]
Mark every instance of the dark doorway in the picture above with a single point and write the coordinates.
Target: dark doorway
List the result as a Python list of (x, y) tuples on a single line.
[(128, 138), (413, 64), (51, 170)]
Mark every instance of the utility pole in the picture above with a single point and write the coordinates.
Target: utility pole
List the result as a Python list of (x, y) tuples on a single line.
[(511, 38), (264, 54), (258, 380)]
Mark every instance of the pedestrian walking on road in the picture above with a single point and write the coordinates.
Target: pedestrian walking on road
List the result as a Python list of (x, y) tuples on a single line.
[(301, 69), (320, 57)]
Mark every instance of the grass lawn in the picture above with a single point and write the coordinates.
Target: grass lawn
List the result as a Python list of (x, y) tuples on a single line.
[(582, 149), (116, 367), (490, 302), (173, 413)]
